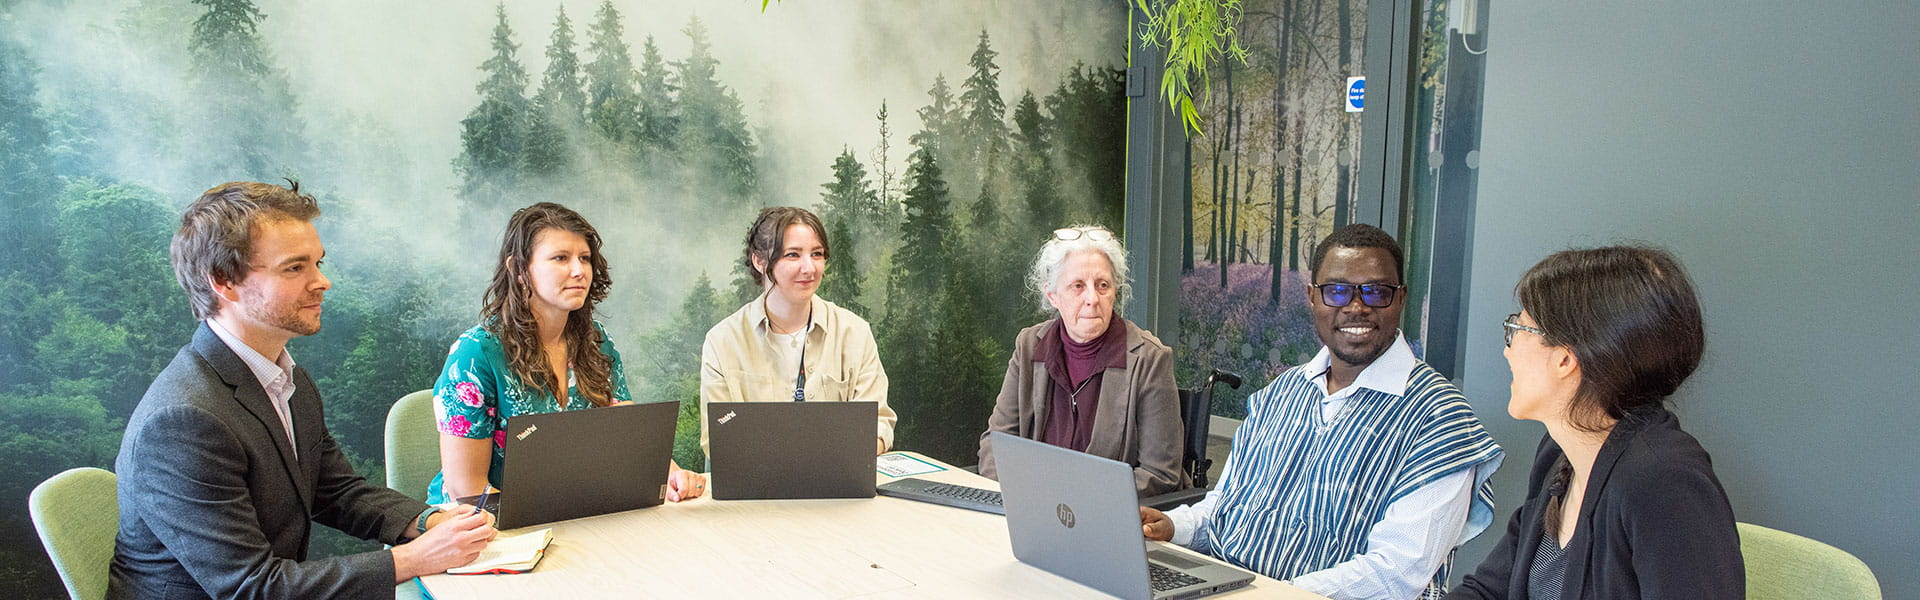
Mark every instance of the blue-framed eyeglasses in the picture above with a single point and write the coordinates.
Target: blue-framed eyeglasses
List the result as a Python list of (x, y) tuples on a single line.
[(1376, 295), (1512, 324)]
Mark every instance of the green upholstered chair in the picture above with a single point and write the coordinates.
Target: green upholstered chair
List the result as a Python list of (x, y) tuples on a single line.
[(413, 445), (77, 513), (413, 458), (1783, 565)]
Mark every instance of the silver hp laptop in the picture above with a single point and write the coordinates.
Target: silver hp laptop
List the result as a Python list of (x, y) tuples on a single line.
[(784, 450), (581, 463), (1076, 515)]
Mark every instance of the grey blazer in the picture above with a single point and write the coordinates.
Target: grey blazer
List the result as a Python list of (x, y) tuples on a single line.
[(1139, 418), (214, 504)]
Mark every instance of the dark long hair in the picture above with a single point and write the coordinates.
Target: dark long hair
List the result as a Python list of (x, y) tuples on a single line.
[(1629, 314), (506, 312)]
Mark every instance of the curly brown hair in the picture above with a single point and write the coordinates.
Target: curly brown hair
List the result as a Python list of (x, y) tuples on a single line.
[(507, 314)]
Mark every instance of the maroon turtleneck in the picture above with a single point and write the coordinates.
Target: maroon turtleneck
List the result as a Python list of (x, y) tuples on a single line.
[(1080, 357), (1075, 368)]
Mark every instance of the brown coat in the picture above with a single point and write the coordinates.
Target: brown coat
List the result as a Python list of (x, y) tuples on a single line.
[(1138, 422)]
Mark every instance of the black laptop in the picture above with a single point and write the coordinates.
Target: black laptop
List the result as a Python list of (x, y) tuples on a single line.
[(581, 463), (783, 450)]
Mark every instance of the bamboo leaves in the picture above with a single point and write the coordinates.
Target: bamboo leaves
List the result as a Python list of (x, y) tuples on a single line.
[(1194, 33)]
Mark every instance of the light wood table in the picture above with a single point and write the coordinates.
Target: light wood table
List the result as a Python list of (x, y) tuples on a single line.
[(790, 549)]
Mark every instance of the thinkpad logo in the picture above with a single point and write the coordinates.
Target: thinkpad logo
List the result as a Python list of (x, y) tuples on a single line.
[(726, 417), (1066, 515), (529, 431)]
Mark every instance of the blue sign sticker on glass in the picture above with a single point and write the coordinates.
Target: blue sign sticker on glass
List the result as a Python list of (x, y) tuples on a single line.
[(1356, 93)]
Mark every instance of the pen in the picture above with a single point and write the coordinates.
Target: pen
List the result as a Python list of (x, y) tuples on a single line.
[(481, 504)]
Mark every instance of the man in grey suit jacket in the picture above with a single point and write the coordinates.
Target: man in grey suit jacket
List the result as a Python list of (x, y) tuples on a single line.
[(227, 461)]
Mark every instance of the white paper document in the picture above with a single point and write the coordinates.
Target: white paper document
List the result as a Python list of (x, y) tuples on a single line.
[(901, 465), (517, 554)]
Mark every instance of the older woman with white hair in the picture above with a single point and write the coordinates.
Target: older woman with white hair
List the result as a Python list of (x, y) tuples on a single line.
[(1086, 379)]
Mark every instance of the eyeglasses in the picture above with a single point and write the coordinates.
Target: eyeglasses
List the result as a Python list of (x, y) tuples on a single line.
[(1376, 295), (1095, 233), (1513, 323)]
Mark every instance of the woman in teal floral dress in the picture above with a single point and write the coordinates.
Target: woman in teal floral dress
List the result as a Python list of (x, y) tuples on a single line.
[(536, 335)]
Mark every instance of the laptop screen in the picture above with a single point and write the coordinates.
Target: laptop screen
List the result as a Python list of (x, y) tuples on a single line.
[(775, 450)]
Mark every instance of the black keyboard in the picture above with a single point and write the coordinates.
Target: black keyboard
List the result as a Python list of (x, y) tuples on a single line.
[(958, 496), (1168, 579)]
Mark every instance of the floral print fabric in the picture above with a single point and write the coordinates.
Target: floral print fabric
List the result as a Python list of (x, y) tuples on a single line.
[(476, 394)]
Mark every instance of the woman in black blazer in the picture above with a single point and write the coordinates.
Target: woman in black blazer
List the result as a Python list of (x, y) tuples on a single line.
[(1621, 503)]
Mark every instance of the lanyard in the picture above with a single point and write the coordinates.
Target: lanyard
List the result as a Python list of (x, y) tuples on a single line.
[(800, 380)]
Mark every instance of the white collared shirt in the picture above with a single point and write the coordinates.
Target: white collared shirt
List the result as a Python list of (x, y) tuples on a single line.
[(276, 377), (1387, 374)]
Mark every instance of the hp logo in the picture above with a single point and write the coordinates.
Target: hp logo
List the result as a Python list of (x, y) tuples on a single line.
[(1066, 515)]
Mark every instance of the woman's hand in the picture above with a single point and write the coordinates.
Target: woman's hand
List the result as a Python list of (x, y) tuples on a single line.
[(684, 485)]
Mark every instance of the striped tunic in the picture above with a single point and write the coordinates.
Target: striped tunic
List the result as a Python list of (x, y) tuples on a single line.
[(1299, 494)]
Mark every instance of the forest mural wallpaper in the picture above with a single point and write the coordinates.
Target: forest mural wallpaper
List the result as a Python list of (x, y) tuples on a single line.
[(940, 141), (1277, 170), (1274, 174)]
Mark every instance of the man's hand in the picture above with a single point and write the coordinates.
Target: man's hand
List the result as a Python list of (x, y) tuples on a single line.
[(1155, 525), (453, 542), (438, 517)]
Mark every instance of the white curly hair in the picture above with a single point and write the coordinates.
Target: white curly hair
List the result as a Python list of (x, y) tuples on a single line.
[(1045, 274)]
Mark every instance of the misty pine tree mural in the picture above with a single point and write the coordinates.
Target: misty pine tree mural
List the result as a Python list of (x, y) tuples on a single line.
[(939, 141)]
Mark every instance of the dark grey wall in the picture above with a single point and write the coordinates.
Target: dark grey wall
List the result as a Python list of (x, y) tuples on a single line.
[(1775, 147)]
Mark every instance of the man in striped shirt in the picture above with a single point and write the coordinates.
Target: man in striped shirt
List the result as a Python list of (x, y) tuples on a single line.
[(1356, 474)]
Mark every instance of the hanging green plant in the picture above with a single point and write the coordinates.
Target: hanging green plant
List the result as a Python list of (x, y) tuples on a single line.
[(1194, 33)]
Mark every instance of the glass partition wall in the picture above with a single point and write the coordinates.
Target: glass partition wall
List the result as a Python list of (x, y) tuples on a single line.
[(1283, 158)]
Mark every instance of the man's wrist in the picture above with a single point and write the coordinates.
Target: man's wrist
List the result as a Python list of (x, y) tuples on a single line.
[(405, 564), (1182, 523), (420, 522)]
